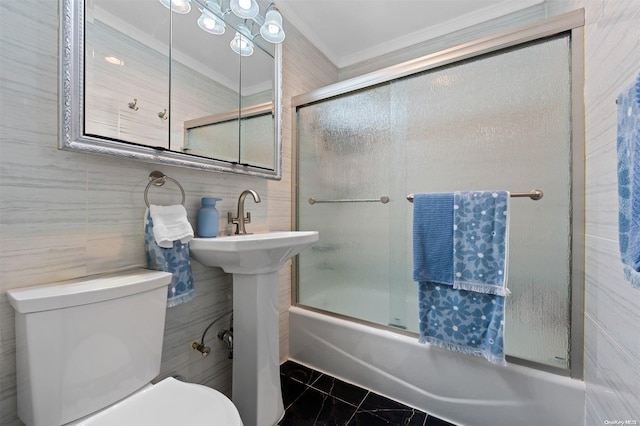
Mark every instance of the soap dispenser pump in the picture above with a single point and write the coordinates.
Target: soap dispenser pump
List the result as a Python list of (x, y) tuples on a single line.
[(208, 218)]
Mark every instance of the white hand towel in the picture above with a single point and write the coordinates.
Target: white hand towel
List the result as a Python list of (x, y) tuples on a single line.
[(170, 224)]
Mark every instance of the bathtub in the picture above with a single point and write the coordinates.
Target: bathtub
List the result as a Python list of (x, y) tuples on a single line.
[(461, 389)]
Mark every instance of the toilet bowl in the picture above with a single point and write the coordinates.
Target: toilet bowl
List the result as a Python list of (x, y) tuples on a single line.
[(169, 402), (87, 351)]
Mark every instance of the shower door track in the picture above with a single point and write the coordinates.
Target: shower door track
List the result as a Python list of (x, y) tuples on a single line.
[(571, 22)]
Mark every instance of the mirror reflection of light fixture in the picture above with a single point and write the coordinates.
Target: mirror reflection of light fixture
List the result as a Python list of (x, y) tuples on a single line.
[(241, 43), (179, 6), (246, 9), (113, 60), (272, 30), (210, 22)]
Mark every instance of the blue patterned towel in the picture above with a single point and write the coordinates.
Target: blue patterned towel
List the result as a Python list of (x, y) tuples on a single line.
[(480, 237), (462, 321), (175, 260), (433, 237), (628, 146), (467, 317)]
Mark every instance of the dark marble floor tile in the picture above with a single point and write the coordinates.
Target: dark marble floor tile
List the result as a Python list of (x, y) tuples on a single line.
[(315, 399), (434, 421), (362, 418), (299, 372), (375, 401), (291, 390), (342, 390), (395, 418), (389, 411), (406, 417), (315, 408)]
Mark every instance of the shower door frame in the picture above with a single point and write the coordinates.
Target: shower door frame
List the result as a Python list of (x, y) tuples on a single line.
[(571, 23)]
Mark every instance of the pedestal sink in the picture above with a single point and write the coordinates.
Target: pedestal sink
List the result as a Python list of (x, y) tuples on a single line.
[(254, 260)]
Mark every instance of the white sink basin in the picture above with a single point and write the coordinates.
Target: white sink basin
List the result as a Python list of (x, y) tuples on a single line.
[(253, 253)]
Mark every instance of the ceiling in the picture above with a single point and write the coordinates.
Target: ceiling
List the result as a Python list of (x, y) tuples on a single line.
[(350, 31), (346, 31)]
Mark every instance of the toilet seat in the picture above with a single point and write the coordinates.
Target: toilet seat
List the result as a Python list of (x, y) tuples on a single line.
[(169, 403)]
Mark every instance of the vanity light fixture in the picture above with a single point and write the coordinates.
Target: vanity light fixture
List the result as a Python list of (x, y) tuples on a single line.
[(272, 30), (241, 43), (179, 6), (246, 9), (209, 21), (212, 21)]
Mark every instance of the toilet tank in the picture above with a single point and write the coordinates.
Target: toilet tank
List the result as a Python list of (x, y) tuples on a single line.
[(84, 344)]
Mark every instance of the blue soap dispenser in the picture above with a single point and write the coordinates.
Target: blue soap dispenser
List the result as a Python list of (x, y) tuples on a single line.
[(208, 218)]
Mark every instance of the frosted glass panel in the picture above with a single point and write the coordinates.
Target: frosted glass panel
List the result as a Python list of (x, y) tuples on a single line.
[(344, 155), (256, 134), (502, 121), (219, 140)]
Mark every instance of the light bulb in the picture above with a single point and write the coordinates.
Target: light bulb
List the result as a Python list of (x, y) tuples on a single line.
[(179, 6), (273, 29), (245, 9), (209, 22), (241, 45)]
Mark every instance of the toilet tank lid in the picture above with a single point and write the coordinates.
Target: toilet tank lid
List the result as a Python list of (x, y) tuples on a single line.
[(85, 290)]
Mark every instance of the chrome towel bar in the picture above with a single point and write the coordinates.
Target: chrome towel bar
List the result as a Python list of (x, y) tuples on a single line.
[(534, 194), (384, 200)]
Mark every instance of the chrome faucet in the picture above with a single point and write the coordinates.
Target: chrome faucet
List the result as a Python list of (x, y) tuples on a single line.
[(240, 220)]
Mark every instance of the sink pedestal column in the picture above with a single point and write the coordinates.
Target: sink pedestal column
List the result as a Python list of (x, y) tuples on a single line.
[(254, 260), (256, 348)]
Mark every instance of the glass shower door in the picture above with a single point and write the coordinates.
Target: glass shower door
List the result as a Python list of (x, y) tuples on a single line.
[(343, 154), (499, 121), (504, 122)]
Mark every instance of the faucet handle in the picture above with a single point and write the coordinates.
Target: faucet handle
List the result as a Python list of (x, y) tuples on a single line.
[(248, 218), (231, 219)]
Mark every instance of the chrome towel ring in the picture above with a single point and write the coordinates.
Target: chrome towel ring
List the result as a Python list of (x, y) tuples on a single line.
[(158, 179)]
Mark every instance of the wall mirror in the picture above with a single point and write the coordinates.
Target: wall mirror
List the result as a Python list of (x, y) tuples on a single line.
[(145, 80)]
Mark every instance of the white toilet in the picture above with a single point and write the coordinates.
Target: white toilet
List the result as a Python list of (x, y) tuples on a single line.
[(87, 350)]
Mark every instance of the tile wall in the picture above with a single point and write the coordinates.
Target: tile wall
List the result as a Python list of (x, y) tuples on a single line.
[(612, 317)]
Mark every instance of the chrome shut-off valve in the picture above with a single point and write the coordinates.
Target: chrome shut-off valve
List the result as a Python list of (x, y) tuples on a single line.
[(227, 338)]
